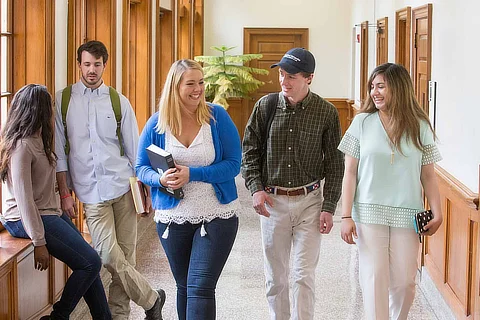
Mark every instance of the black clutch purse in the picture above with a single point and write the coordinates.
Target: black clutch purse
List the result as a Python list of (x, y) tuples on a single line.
[(420, 221)]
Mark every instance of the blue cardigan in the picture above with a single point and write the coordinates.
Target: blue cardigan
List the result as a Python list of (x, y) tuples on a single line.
[(221, 173)]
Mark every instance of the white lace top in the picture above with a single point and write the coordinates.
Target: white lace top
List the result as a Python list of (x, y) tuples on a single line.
[(200, 204)]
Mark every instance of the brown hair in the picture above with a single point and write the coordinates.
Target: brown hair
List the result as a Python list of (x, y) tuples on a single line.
[(405, 112), (95, 48), (30, 110)]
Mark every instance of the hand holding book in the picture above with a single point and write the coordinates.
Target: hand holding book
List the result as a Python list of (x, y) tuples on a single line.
[(175, 178), (162, 162)]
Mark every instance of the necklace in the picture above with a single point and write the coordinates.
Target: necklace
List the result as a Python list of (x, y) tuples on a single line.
[(390, 143)]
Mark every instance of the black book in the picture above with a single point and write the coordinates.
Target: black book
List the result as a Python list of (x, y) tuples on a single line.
[(161, 161)]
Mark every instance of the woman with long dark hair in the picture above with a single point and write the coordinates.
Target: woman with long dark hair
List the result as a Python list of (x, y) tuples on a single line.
[(27, 165), (390, 152)]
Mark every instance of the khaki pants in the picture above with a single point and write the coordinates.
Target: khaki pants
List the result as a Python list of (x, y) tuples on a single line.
[(293, 225), (113, 227)]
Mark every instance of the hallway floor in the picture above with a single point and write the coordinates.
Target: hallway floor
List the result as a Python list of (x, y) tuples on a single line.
[(240, 291)]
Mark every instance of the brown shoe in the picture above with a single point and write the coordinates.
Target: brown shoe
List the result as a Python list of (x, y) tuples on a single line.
[(155, 313)]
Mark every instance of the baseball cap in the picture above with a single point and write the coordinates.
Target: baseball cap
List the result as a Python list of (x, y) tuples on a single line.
[(297, 60)]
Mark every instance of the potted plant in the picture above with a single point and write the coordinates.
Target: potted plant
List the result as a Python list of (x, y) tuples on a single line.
[(226, 77)]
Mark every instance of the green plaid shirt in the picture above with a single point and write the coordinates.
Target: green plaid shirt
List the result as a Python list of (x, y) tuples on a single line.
[(301, 148)]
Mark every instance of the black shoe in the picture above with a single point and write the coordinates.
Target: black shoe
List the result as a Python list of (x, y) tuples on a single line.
[(155, 313), (45, 318)]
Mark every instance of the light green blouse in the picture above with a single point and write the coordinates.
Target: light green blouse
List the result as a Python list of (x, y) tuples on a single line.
[(389, 190)]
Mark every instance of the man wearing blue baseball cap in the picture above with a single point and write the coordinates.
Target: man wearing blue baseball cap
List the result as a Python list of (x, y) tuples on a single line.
[(289, 147)]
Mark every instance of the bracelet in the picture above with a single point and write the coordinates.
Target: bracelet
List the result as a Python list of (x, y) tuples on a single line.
[(65, 196), (347, 217)]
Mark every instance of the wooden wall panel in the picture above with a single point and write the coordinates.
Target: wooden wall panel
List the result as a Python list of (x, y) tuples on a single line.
[(8, 290), (32, 299), (137, 58), (456, 264), (189, 28), (91, 20), (197, 21), (164, 54), (235, 110), (343, 109), (452, 254), (101, 25), (59, 279)]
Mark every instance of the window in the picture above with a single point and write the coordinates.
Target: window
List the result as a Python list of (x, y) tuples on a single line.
[(5, 67)]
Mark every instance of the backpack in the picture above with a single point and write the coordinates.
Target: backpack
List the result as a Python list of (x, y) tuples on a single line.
[(115, 100)]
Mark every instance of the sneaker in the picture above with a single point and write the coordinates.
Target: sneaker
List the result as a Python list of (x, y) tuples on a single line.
[(155, 313)]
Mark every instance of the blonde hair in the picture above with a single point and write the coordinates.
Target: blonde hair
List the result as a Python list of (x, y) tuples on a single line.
[(170, 104), (405, 112)]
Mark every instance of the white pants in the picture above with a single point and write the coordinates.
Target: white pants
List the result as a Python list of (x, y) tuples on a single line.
[(387, 269), (293, 222)]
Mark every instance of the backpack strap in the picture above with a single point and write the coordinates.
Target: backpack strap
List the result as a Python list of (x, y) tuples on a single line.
[(115, 99), (66, 94), (272, 102)]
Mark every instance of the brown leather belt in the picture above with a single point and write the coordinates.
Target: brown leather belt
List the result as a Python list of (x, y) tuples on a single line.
[(293, 192)]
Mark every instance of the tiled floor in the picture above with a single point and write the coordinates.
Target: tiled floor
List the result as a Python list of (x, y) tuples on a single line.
[(240, 292)]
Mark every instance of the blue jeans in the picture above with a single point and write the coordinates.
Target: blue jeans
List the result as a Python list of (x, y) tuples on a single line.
[(65, 243), (196, 263)]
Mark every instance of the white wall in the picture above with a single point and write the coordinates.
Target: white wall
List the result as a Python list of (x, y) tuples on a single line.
[(455, 68), (330, 33)]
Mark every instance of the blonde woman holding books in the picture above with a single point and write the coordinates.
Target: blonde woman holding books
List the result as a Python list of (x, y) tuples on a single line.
[(198, 231), (390, 153)]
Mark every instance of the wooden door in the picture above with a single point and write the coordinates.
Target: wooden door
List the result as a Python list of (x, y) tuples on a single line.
[(403, 21), (422, 53), (272, 43), (382, 41)]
